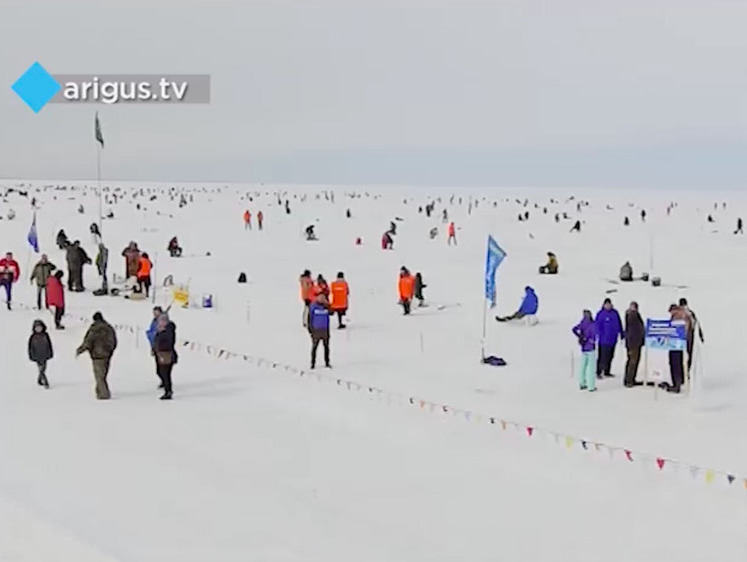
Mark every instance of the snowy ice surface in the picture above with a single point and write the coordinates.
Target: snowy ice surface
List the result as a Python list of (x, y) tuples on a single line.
[(254, 463)]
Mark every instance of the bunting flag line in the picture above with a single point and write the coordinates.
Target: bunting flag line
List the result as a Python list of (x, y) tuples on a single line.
[(644, 459)]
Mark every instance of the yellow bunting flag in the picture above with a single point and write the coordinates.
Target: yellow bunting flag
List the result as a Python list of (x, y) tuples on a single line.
[(709, 476), (569, 442)]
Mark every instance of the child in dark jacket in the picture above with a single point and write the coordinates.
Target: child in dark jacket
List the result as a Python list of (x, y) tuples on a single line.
[(40, 351), (419, 286)]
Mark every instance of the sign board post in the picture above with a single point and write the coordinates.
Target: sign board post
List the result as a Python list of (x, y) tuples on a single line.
[(666, 335)]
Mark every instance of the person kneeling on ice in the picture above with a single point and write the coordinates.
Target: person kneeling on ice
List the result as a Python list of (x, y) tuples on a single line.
[(551, 267), (626, 272), (40, 351), (310, 235), (586, 332), (387, 242), (175, 251), (529, 307), (318, 323)]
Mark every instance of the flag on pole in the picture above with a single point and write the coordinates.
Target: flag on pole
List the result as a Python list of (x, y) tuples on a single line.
[(97, 131), (492, 261), (32, 237)]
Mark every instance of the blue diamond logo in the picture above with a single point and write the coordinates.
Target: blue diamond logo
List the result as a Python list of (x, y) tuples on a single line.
[(36, 87)]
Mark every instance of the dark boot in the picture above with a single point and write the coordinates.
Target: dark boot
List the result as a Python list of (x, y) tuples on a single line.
[(167, 396)]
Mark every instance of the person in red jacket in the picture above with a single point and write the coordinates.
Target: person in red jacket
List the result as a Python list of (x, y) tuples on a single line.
[(9, 274), (452, 234), (56, 298)]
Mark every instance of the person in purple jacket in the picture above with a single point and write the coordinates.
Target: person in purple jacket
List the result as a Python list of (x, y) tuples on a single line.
[(610, 330), (586, 332)]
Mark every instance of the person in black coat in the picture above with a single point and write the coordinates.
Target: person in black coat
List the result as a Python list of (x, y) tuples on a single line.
[(419, 286), (164, 346), (635, 335), (40, 351)]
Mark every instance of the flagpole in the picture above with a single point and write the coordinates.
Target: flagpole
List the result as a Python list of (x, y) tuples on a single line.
[(484, 328), (98, 177)]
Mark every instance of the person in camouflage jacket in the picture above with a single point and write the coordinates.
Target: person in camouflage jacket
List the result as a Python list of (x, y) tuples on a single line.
[(100, 342)]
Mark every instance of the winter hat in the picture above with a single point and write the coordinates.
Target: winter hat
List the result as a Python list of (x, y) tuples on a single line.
[(683, 302), (39, 323), (98, 317), (607, 301), (58, 274)]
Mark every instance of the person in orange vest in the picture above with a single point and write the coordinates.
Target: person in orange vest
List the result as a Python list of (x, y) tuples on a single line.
[(340, 294), (247, 220), (260, 219), (307, 293), (144, 267), (452, 234), (406, 289)]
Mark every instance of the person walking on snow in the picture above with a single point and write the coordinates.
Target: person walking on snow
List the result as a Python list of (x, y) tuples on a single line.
[(100, 342), (609, 328), (418, 291), (56, 298), (40, 351), (406, 289), (452, 234), (586, 332), (10, 271), (247, 220), (260, 219), (529, 306), (318, 323), (164, 347), (635, 335), (40, 274), (340, 294)]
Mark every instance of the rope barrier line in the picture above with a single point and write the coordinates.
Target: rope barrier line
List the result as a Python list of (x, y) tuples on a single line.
[(659, 463)]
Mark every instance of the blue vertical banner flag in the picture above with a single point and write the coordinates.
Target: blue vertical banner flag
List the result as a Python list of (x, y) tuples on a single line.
[(493, 259), (33, 238)]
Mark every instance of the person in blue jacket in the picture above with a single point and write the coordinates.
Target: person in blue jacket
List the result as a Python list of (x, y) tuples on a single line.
[(318, 324), (610, 330), (529, 306)]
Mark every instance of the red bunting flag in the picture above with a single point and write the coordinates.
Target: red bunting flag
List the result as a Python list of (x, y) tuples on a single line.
[(629, 455), (660, 463), (530, 430)]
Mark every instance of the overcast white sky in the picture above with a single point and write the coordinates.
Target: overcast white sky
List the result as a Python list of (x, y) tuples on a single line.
[(517, 92)]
